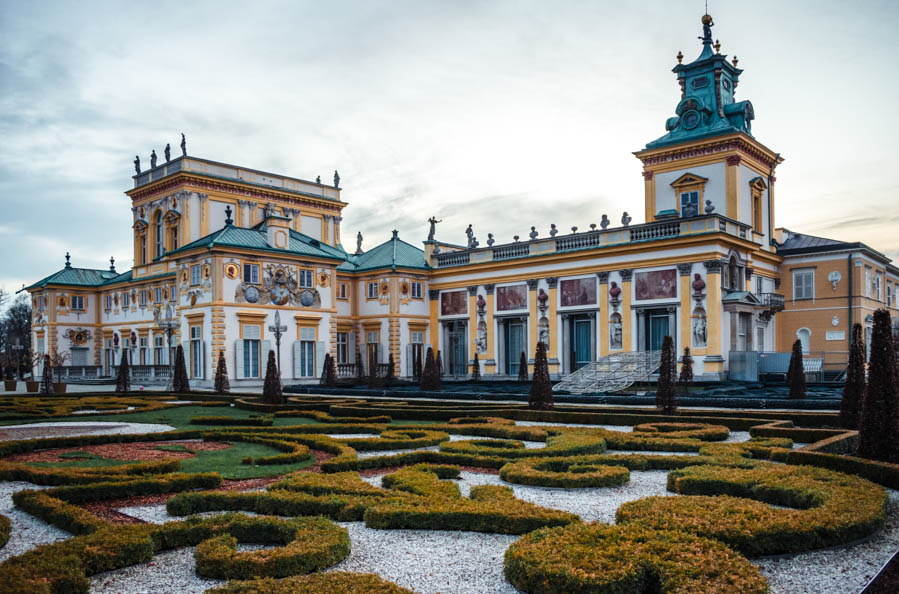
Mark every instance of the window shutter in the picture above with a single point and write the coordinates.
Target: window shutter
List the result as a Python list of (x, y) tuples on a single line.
[(204, 366), (408, 365), (319, 357), (363, 353), (297, 371), (187, 362), (351, 347), (264, 347), (382, 355), (238, 359)]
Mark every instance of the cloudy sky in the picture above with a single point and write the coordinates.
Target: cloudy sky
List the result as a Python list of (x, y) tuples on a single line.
[(500, 114)]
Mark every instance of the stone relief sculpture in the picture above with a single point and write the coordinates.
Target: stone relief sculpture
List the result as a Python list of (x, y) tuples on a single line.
[(482, 337), (279, 287), (614, 291), (699, 329), (543, 330), (615, 338)]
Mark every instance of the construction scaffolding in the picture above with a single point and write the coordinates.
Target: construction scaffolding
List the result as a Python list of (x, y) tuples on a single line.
[(611, 373)]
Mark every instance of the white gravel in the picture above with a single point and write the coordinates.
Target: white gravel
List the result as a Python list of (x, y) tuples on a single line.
[(27, 532), (839, 569), (622, 428), (34, 430)]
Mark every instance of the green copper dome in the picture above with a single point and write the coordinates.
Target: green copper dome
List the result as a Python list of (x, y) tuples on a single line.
[(707, 106)]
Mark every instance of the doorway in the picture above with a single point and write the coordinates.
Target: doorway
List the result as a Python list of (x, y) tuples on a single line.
[(457, 348), (514, 341), (657, 328), (581, 332)]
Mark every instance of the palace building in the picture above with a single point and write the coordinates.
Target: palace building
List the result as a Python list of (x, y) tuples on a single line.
[(220, 249)]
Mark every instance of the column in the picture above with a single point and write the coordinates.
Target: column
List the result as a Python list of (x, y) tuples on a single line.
[(472, 324), (604, 313), (552, 353), (434, 319), (492, 350), (566, 363), (684, 270), (627, 276), (714, 361), (532, 322), (731, 177), (672, 325), (649, 186), (641, 329)]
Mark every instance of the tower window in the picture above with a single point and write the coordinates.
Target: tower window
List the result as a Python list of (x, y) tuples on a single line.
[(689, 204), (158, 235)]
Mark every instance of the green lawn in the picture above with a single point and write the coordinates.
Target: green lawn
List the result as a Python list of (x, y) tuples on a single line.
[(225, 462)]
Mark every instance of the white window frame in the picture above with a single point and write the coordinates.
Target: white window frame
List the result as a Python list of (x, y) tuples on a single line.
[(251, 364), (306, 279), (77, 302), (196, 275), (797, 294), (251, 274), (416, 290), (126, 300), (342, 291), (143, 297), (158, 295), (307, 358), (158, 350), (343, 347), (196, 351), (372, 291), (107, 302)]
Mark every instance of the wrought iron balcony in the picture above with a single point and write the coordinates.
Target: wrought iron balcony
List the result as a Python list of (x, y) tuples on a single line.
[(772, 301)]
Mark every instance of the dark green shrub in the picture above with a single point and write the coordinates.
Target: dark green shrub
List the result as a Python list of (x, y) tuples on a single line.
[(123, 379), (880, 410), (523, 368), (476, 369), (686, 371), (854, 388), (271, 390), (796, 372), (430, 377), (222, 385), (666, 395), (541, 394)]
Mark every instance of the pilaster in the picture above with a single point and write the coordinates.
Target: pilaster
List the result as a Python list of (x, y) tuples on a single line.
[(490, 364), (472, 325), (731, 182), (604, 313), (626, 331), (714, 361), (533, 317)]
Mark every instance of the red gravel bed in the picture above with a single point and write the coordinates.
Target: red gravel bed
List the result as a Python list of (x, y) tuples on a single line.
[(138, 451)]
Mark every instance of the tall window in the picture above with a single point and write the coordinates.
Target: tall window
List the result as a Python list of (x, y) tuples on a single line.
[(251, 274), (107, 302), (78, 302), (757, 212), (143, 350), (867, 281), (158, 294), (416, 290), (158, 234), (306, 279), (158, 350), (143, 249), (143, 297), (341, 291), (343, 347), (196, 275), (196, 351), (250, 357), (173, 293), (372, 290), (126, 299), (803, 284), (307, 358), (175, 236)]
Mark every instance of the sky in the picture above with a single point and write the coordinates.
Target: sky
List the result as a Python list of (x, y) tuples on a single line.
[(502, 114)]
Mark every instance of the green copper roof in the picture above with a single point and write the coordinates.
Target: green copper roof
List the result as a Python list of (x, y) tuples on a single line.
[(393, 253), (707, 106), (255, 238), (76, 277)]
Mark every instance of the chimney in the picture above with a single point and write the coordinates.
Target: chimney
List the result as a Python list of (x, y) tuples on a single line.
[(277, 228)]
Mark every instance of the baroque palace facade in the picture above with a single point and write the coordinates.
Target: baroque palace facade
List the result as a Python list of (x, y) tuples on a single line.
[(229, 247)]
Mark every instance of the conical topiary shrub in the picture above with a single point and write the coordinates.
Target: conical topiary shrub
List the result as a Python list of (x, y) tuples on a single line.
[(329, 374), (360, 371), (541, 395), (123, 380), (430, 377), (854, 388), (796, 372), (666, 396), (391, 371), (271, 390), (877, 425), (47, 378), (222, 385), (523, 368), (686, 371), (180, 384)]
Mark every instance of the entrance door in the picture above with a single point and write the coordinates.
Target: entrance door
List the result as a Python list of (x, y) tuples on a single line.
[(514, 337), (457, 358), (581, 343), (657, 329)]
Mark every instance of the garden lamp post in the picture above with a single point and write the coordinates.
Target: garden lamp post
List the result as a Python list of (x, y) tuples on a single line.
[(168, 324), (278, 330)]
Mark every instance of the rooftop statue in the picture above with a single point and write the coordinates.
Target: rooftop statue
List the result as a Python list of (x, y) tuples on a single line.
[(336, 179), (552, 230), (358, 243), (433, 230), (183, 145), (137, 164), (318, 179), (153, 159), (605, 222), (168, 152), (533, 234), (470, 235), (626, 219)]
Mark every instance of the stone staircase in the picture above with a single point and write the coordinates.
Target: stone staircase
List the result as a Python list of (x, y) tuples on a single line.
[(611, 373)]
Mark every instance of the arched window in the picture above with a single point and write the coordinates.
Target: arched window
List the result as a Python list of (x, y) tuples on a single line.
[(158, 234), (804, 335), (733, 273)]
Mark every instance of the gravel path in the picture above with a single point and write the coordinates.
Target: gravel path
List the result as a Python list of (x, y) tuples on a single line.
[(68, 429), (27, 531), (622, 428)]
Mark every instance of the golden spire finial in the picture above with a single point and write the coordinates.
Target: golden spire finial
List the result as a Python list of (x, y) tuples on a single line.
[(680, 57), (717, 46)]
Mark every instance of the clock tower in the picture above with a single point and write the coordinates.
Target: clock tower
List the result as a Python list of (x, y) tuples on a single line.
[(708, 160)]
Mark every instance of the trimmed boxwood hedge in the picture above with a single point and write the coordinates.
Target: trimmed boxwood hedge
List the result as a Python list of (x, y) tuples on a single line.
[(700, 431), (733, 505), (397, 439), (627, 560), (334, 582), (5, 527), (568, 473), (308, 544), (565, 443), (248, 422)]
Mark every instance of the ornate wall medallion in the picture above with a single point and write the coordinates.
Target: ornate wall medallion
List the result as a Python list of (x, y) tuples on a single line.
[(251, 294), (231, 270), (307, 298), (323, 279)]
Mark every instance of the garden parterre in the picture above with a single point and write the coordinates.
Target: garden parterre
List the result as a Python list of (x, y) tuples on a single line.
[(417, 492)]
